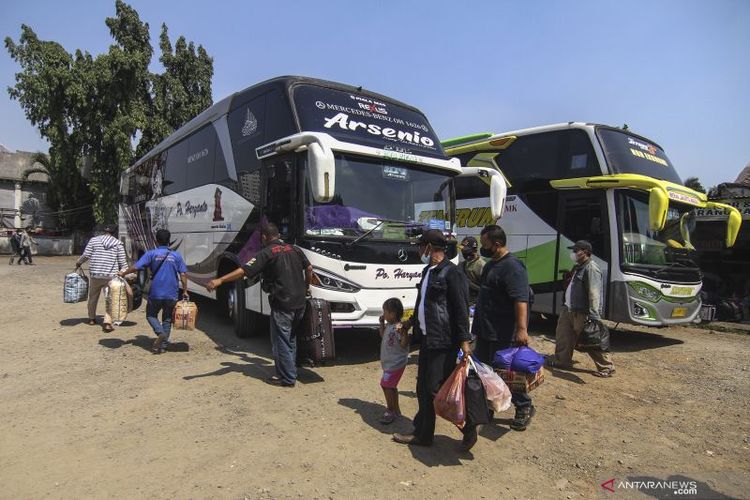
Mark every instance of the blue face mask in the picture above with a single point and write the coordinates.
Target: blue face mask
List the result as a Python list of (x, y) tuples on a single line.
[(425, 258)]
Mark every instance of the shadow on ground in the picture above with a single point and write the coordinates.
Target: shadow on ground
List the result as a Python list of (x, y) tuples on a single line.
[(144, 342), (622, 339), (255, 367), (353, 345)]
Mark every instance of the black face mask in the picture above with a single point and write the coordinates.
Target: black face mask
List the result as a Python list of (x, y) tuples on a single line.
[(467, 253), (486, 252)]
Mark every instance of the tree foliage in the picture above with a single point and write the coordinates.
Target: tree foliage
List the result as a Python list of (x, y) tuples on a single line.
[(695, 184), (97, 107)]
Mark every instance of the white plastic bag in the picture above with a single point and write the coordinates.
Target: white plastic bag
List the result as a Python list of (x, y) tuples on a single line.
[(118, 299), (498, 394)]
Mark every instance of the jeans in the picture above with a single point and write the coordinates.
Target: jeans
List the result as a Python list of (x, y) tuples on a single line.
[(284, 343), (164, 327)]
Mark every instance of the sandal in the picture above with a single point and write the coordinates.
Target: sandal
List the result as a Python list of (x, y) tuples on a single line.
[(108, 328), (91, 322), (604, 374)]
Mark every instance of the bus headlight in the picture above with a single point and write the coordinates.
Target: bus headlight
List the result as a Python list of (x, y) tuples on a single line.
[(646, 291), (332, 282)]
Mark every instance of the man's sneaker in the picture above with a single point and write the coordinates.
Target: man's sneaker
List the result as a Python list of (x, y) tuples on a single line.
[(522, 418), (159, 344)]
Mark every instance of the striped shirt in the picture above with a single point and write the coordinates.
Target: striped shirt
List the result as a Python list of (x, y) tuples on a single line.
[(107, 255)]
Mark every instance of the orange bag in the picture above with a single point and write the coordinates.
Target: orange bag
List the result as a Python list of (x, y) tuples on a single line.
[(449, 401), (185, 315)]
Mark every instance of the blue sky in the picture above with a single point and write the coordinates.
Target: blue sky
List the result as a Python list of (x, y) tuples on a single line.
[(677, 72)]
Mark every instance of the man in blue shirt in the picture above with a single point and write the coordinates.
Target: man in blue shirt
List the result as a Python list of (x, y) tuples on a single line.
[(166, 266)]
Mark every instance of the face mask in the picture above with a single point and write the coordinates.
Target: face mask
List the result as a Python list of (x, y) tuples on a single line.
[(425, 258), (486, 252), (574, 256), (467, 253)]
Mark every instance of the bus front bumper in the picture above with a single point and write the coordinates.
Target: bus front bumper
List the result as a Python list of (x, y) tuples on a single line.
[(363, 308), (628, 307)]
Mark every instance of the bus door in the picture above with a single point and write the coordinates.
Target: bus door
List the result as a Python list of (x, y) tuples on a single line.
[(582, 215), (278, 183)]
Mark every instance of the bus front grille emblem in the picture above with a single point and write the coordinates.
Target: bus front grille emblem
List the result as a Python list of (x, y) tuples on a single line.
[(402, 255)]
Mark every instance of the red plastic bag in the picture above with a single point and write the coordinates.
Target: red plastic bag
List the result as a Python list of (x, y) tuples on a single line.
[(449, 401)]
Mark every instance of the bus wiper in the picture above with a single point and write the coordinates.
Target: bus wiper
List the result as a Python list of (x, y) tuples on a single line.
[(373, 228), (669, 266)]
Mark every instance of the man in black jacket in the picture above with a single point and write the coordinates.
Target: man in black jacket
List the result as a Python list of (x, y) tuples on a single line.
[(287, 273), (441, 322)]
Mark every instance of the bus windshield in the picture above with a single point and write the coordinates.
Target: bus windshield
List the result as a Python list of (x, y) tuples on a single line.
[(630, 154), (653, 250), (385, 199)]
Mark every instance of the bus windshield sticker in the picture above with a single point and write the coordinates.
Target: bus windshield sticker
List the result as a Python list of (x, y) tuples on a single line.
[(396, 173), (250, 125), (436, 224), (363, 120)]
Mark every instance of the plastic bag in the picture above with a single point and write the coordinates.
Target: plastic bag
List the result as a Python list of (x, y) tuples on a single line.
[(118, 299), (504, 358), (518, 359), (498, 393), (475, 396), (449, 401), (76, 287), (593, 337)]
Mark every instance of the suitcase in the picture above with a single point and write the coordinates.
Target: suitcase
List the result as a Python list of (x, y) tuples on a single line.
[(185, 315), (315, 343)]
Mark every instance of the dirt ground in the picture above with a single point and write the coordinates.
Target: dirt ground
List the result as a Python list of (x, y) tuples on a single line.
[(90, 414)]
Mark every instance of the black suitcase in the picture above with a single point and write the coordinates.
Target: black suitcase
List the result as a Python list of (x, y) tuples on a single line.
[(315, 344)]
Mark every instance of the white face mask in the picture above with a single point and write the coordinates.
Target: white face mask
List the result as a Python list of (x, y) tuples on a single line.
[(574, 256), (425, 258)]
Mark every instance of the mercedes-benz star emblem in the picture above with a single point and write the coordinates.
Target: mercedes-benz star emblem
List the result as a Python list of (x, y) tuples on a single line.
[(402, 255)]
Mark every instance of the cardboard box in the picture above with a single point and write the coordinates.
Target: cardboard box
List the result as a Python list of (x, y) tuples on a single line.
[(521, 381)]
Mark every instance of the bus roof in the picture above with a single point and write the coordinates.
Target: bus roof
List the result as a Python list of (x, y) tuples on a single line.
[(227, 104), (484, 137)]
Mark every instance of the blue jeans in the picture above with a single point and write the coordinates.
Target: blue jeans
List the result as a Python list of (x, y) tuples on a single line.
[(284, 343), (166, 306)]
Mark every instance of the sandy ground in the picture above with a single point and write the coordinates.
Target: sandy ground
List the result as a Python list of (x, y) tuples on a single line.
[(89, 414)]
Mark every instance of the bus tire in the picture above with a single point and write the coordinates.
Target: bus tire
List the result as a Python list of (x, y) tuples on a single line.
[(245, 321)]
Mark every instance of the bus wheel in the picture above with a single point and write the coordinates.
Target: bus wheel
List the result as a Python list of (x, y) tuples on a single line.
[(244, 320)]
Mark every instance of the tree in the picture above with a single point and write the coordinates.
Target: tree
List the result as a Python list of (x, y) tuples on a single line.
[(49, 90), (695, 184), (96, 107)]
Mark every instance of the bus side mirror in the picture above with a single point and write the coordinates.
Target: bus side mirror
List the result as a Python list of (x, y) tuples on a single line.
[(498, 192), (658, 203), (322, 167), (734, 220)]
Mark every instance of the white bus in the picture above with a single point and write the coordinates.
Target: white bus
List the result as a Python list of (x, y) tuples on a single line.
[(348, 175), (616, 189)]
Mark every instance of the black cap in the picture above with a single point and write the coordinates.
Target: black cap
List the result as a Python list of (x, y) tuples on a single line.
[(434, 237), (582, 245), (470, 242)]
